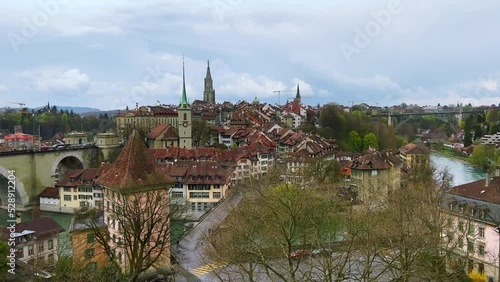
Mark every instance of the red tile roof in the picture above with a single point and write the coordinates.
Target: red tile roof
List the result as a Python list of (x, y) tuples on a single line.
[(134, 168), (157, 130), (479, 191), (50, 192), (43, 227), (378, 160)]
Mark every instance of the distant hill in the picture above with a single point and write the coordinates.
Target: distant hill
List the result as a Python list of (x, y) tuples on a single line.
[(77, 110)]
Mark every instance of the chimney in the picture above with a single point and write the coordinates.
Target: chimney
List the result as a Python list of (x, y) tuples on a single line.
[(136, 106), (487, 178), (18, 217), (497, 170)]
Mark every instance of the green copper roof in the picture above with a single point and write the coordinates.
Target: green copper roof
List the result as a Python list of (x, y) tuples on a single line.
[(184, 101)]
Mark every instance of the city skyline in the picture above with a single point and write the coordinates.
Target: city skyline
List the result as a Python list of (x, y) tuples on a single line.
[(112, 55)]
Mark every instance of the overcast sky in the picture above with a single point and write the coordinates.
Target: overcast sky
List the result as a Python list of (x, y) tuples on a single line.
[(110, 54)]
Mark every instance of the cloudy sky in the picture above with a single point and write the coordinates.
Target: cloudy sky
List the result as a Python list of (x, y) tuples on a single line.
[(109, 54)]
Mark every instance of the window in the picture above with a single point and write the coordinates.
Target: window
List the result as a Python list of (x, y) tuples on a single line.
[(50, 244), (470, 246), (177, 194), (217, 195), (480, 268), (482, 214), (90, 238), (481, 231), (216, 186), (89, 253), (67, 189), (41, 247), (91, 266), (471, 228), (51, 258), (199, 195), (67, 197), (31, 250), (461, 225), (75, 197), (193, 206), (480, 249), (19, 253)]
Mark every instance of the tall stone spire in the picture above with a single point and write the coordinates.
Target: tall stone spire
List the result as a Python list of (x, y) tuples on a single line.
[(209, 92), (184, 102), (297, 96)]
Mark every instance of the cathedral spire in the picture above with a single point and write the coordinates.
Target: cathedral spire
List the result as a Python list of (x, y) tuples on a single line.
[(209, 92), (184, 101), (209, 75)]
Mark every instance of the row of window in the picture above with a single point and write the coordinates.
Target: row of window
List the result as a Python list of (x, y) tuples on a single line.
[(202, 186), (201, 207), (41, 248), (481, 213), (471, 229), (204, 195), (470, 247), (80, 189), (204, 177), (79, 197)]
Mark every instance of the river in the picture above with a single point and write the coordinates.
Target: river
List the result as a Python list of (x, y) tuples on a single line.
[(462, 172)]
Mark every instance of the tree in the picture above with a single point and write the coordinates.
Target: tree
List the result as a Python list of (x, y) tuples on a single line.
[(354, 141), (323, 171), (484, 156), (202, 132), (370, 141), (468, 127), (143, 221), (268, 225)]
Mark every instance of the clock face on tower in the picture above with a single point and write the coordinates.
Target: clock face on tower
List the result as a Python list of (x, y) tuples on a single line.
[(185, 124)]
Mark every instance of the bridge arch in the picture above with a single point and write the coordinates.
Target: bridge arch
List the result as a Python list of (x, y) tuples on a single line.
[(69, 161), (21, 195)]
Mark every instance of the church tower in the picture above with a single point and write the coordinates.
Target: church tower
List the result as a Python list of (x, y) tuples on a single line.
[(209, 92), (185, 126), (297, 96)]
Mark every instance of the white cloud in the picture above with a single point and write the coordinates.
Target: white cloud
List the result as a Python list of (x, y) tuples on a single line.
[(47, 80)]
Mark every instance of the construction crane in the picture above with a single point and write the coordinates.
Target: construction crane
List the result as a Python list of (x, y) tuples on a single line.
[(279, 94), (20, 104)]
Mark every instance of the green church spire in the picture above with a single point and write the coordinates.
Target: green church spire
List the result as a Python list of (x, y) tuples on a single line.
[(184, 102)]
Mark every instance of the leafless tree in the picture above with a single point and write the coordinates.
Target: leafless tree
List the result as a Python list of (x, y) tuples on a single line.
[(138, 235)]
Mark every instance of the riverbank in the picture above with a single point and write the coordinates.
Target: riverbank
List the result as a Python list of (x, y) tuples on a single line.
[(449, 154)]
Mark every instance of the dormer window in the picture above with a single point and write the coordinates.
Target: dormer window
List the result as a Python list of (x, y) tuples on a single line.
[(472, 212)]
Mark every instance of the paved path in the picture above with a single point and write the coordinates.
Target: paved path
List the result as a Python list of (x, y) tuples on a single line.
[(193, 264)]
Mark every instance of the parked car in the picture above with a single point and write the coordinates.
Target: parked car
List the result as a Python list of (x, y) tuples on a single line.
[(322, 252), (300, 253)]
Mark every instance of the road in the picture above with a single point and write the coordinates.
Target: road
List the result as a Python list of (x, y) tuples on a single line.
[(190, 252)]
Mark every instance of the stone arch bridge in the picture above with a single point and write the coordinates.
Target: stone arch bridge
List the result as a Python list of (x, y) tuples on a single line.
[(36, 170)]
